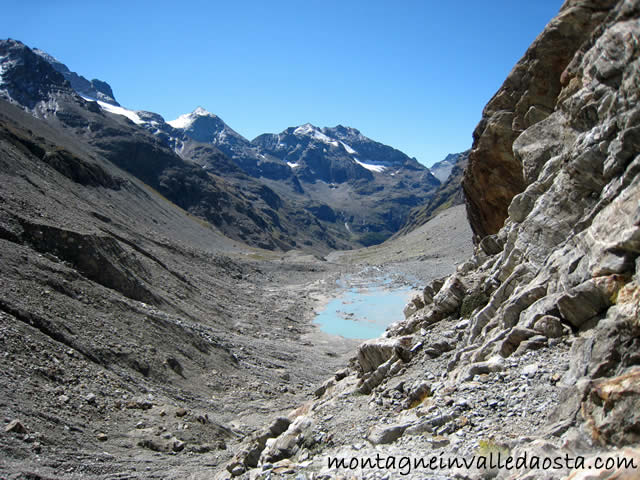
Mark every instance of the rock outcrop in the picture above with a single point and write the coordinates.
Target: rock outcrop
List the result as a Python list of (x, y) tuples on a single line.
[(529, 94)]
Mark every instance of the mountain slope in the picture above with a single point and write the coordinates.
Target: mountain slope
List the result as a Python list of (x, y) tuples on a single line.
[(442, 169), (448, 194), (210, 185), (349, 189), (118, 309)]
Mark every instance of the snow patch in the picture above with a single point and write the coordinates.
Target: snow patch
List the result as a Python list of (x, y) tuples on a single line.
[(201, 112), (370, 166), (2, 67), (5, 65), (130, 114), (305, 129), (293, 165), (349, 149), (183, 121)]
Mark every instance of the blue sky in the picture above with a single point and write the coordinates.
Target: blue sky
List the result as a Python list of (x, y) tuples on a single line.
[(414, 74)]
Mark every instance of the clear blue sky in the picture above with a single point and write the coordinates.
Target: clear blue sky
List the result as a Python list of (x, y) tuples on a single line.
[(414, 74)]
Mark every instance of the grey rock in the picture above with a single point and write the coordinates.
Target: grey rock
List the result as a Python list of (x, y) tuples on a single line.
[(373, 353), (491, 245), (15, 426), (177, 445), (582, 303), (550, 327), (513, 340), (530, 370), (384, 434)]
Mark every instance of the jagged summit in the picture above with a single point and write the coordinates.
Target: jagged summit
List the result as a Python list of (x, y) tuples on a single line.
[(95, 89), (442, 169)]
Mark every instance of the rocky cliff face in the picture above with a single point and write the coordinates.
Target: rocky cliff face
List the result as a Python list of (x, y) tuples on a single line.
[(533, 345), (528, 95), (96, 89)]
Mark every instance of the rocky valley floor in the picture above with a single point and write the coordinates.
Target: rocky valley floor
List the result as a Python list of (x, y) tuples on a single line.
[(211, 348)]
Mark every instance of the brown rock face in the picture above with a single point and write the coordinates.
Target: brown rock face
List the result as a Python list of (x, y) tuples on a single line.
[(611, 409), (494, 174)]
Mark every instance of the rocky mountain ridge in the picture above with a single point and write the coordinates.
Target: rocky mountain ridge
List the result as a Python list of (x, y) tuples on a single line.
[(231, 200), (358, 190), (89, 88)]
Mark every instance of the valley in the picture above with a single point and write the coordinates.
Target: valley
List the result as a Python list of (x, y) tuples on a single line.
[(166, 287)]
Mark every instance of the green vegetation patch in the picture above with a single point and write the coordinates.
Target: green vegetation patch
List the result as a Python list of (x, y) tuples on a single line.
[(471, 302)]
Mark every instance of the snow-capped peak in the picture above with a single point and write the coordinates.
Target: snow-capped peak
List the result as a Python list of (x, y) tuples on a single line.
[(201, 112), (309, 130), (306, 129), (185, 120)]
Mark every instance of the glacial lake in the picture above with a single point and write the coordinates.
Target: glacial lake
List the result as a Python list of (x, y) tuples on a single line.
[(364, 311)]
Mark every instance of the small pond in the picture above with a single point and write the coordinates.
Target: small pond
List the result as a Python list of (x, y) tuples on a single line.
[(365, 310)]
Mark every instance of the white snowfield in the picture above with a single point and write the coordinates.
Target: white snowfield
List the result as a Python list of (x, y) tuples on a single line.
[(4, 67), (349, 150), (370, 166), (309, 130), (130, 114)]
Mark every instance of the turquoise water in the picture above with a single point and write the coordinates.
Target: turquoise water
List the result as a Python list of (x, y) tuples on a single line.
[(364, 312)]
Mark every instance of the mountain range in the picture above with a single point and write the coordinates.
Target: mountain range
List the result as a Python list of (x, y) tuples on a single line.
[(306, 187), (139, 341)]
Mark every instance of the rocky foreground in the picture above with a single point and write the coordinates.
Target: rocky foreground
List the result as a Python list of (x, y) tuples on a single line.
[(531, 349)]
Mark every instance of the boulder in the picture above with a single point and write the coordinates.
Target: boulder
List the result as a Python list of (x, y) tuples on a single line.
[(513, 340), (384, 434), (15, 426), (589, 299), (494, 175), (373, 353), (287, 443), (622, 469), (550, 327), (450, 296)]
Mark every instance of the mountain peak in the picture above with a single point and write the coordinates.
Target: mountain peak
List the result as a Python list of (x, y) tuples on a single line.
[(25, 77), (202, 112), (185, 120), (94, 89), (306, 129)]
